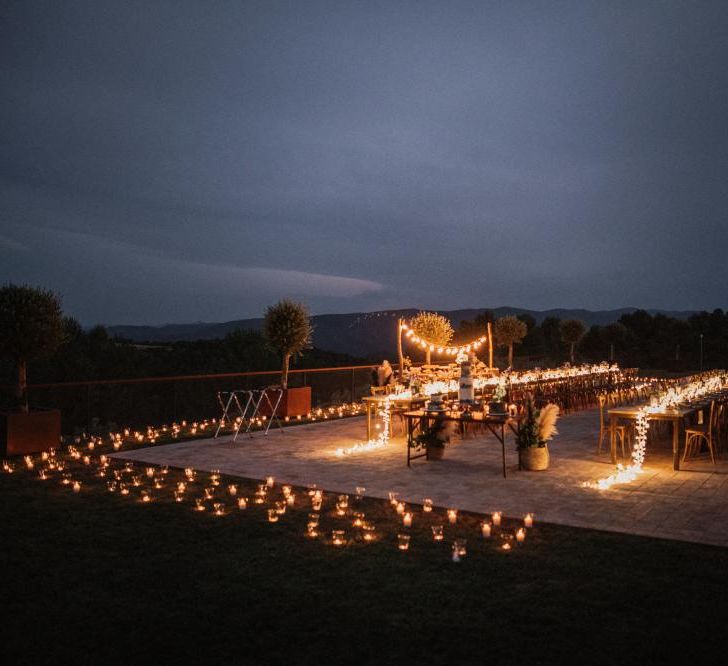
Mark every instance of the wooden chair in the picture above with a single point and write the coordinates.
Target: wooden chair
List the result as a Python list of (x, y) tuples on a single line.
[(623, 432), (695, 435)]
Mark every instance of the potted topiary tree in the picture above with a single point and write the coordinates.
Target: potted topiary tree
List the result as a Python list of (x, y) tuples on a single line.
[(287, 330), (535, 431), (31, 326), (509, 331), (434, 328)]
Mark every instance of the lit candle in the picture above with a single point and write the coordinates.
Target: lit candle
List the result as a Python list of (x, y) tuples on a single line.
[(452, 516), (400, 508), (199, 504), (87, 460), (496, 517), (360, 490), (111, 486), (485, 529), (181, 486), (437, 532), (368, 531), (280, 507), (291, 499), (506, 546), (242, 503), (219, 508), (272, 516), (179, 496), (209, 492), (123, 489), (286, 490), (269, 481), (528, 520), (145, 496), (407, 519), (233, 489), (427, 505), (403, 541), (338, 538), (312, 530), (520, 535), (42, 475), (150, 472), (76, 486)]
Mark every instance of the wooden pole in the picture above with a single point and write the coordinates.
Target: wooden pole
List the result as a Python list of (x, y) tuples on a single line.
[(490, 346), (399, 348)]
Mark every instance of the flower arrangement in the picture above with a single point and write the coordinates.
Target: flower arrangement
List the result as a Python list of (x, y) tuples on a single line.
[(499, 395)]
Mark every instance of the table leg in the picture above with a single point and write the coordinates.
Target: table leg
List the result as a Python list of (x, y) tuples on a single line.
[(503, 447), (410, 431), (369, 421), (613, 438), (676, 444)]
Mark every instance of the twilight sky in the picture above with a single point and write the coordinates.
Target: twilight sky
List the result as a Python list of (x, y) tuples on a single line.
[(182, 161)]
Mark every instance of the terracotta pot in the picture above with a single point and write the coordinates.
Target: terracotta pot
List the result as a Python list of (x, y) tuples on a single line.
[(21, 433), (534, 458), (294, 401), (435, 452)]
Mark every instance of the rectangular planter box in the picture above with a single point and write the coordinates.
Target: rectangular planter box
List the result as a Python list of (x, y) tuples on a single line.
[(20, 433), (294, 401)]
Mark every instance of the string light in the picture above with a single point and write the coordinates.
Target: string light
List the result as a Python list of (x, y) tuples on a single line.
[(440, 349)]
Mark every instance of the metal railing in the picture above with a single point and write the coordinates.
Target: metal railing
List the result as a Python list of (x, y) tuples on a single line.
[(100, 405)]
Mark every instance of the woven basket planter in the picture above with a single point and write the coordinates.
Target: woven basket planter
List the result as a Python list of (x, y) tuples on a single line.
[(534, 458)]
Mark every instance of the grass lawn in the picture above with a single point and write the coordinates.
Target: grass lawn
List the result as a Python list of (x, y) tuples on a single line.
[(96, 577)]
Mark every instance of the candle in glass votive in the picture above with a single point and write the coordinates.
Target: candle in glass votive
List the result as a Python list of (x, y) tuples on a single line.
[(400, 508), (111, 486), (291, 499), (280, 507), (269, 481), (437, 532), (150, 472), (103, 459), (312, 529), (528, 520), (87, 460), (358, 519), (232, 489), (43, 456), (179, 496), (506, 546), (42, 475), (393, 498), (368, 531), (485, 529), (219, 508), (338, 537), (123, 489), (272, 516), (520, 535), (427, 505), (316, 503), (117, 445), (313, 519), (286, 490), (209, 492), (158, 483), (459, 548), (242, 503), (344, 501), (360, 490), (145, 496), (452, 516), (496, 518), (407, 519), (403, 541)]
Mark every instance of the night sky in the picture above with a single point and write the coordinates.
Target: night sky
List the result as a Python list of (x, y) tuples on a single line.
[(182, 161)]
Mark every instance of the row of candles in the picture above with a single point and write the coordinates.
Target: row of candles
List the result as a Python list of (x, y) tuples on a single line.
[(124, 479)]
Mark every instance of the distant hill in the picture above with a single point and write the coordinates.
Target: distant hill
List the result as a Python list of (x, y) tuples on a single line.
[(363, 334)]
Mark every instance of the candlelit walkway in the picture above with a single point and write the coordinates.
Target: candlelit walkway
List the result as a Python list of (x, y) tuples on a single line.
[(690, 505)]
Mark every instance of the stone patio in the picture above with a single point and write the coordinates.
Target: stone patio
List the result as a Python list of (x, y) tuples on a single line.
[(690, 505)]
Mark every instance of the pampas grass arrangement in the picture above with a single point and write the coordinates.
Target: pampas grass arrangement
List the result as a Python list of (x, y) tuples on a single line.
[(546, 422)]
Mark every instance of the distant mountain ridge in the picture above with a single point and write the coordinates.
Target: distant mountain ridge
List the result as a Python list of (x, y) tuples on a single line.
[(363, 334)]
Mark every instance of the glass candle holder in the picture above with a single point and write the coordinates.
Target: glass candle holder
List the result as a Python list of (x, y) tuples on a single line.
[(338, 537), (280, 507), (242, 503), (232, 490), (403, 541), (452, 516), (360, 490), (145, 496), (150, 472), (520, 534), (496, 518), (123, 489), (272, 516), (343, 501), (269, 481), (427, 505), (460, 547), (437, 532), (393, 498), (528, 520), (111, 486), (291, 499), (181, 486), (76, 486), (179, 496), (485, 529), (136, 480), (368, 531), (218, 508), (312, 529), (209, 492), (358, 519), (286, 490), (407, 519), (199, 504), (42, 475), (400, 508)]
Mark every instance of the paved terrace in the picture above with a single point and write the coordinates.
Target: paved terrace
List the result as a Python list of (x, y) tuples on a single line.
[(690, 505)]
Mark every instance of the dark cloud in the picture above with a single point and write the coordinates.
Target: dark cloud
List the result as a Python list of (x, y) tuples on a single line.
[(192, 160)]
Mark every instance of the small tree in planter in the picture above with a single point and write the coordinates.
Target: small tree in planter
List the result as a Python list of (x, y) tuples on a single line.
[(31, 326), (536, 429), (434, 328), (509, 331), (572, 330), (287, 330)]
